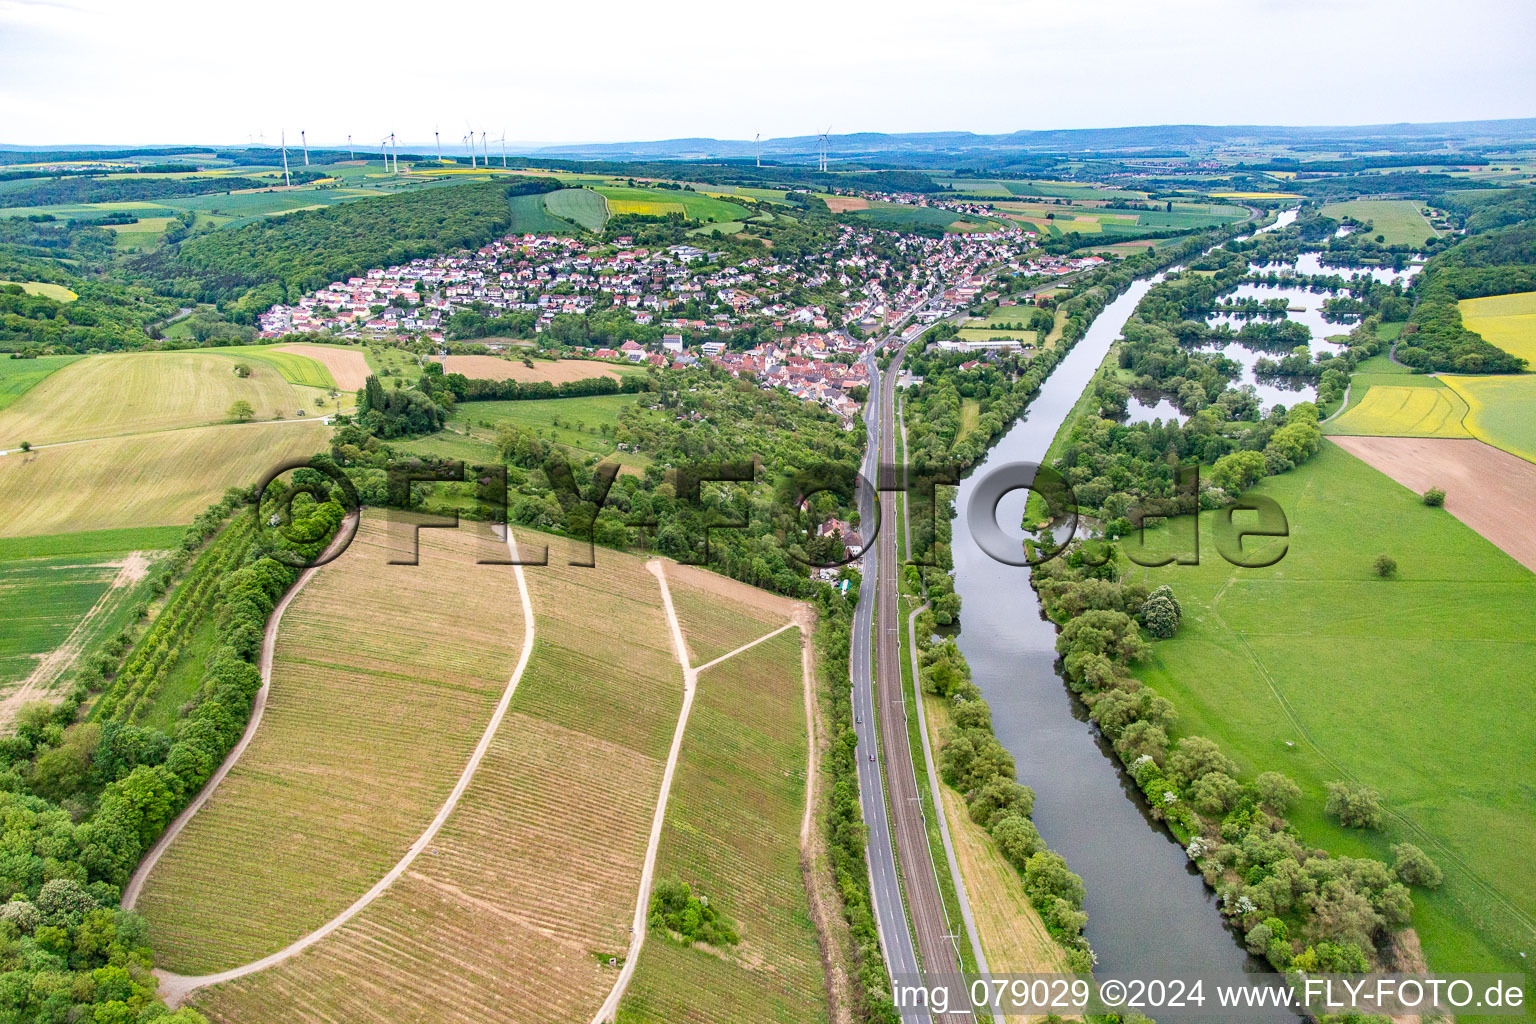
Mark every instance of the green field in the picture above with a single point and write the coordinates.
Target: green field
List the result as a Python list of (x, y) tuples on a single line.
[(134, 393), (91, 542), (529, 216), (579, 206), (1508, 321), (1417, 686), (652, 202), (295, 368), (898, 216), (18, 376), (1398, 221), (576, 423), (1501, 411), (59, 596)]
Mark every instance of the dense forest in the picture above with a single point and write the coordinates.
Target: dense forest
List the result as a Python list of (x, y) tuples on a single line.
[(1497, 257), (247, 269), (122, 189), (757, 442)]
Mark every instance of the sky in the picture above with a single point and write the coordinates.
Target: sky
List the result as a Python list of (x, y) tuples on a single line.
[(172, 71)]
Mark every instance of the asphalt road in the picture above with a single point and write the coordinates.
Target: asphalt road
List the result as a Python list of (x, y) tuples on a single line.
[(933, 947), (931, 930), (885, 883)]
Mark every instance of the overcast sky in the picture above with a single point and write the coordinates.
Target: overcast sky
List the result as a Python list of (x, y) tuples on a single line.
[(164, 71)]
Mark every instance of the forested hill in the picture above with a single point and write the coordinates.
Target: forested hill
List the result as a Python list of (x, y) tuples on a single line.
[(81, 189), (1497, 257), (273, 260)]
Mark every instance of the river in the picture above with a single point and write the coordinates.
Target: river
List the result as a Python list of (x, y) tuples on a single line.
[(1149, 913)]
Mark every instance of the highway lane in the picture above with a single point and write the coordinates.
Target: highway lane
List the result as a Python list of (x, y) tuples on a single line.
[(885, 883), (930, 927)]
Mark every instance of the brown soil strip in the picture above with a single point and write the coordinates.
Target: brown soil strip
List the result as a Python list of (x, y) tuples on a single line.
[(1490, 490)]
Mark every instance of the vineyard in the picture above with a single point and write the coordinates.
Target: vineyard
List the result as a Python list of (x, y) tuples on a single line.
[(715, 624), (133, 690), (732, 834), (514, 910), (381, 686)]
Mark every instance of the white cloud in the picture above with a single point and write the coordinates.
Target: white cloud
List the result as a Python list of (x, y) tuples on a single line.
[(176, 71)]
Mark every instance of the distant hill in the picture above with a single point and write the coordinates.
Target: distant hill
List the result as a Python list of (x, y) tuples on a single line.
[(1191, 138)]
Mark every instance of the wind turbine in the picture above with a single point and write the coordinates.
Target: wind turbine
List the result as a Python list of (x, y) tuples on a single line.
[(439, 139), (484, 152), (757, 142), (824, 147), (503, 147), (462, 140), (283, 142), (396, 147), (304, 141), (351, 153)]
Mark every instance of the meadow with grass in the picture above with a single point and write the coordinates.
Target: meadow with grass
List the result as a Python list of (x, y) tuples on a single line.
[(145, 480), (1398, 221), (56, 607), (18, 376), (1320, 668), (143, 392), (580, 206)]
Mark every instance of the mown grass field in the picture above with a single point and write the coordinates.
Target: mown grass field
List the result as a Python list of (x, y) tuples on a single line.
[(531, 215), (18, 376), (54, 608), (1508, 321), (575, 423), (579, 206), (343, 367), (1416, 686), (513, 911), (146, 480), (112, 395), (304, 365), (556, 371), (1400, 405), (1397, 220), (1501, 411), (732, 833), (381, 686)]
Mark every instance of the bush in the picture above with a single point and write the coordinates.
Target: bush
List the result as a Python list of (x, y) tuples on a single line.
[(1276, 792), (676, 908), (1414, 867), (1354, 805), (1386, 567), (1434, 497), (1161, 617)]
